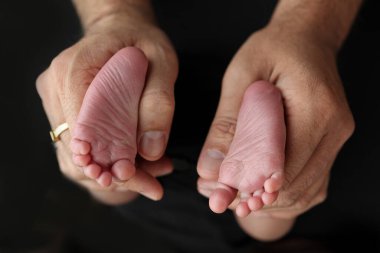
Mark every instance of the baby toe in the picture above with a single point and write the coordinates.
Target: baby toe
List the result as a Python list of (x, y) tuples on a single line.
[(80, 147), (123, 170), (81, 160), (92, 171), (105, 179)]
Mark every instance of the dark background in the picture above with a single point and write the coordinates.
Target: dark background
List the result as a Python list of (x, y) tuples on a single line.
[(40, 211)]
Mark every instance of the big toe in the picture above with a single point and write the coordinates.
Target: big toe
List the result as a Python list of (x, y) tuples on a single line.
[(221, 198)]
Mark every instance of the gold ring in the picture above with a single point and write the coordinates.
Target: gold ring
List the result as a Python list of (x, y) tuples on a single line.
[(54, 134)]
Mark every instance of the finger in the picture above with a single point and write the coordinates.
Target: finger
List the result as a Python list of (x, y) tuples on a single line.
[(305, 125), (315, 195), (319, 164), (144, 184), (158, 168), (205, 185), (46, 87), (157, 104), (47, 90)]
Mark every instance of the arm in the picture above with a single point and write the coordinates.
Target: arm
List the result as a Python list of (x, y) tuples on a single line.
[(90, 11), (325, 21)]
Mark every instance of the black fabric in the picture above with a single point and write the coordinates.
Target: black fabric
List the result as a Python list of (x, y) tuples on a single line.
[(184, 219)]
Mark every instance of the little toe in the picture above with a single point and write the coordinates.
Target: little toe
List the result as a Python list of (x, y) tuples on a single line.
[(221, 198), (274, 183), (242, 210), (81, 160), (255, 203), (105, 179), (92, 171), (80, 147), (123, 170), (269, 198)]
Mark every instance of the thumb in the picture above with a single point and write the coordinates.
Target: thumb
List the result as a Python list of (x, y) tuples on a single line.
[(223, 127), (157, 104)]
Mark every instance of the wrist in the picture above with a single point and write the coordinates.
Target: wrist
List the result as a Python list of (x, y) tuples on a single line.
[(325, 22), (92, 12)]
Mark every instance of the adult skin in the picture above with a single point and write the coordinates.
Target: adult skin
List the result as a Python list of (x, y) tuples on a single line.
[(297, 52), (110, 25)]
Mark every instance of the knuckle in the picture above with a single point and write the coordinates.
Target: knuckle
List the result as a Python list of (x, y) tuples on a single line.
[(158, 102), (342, 126), (41, 85), (302, 203), (335, 118), (224, 127), (222, 131), (287, 199), (59, 67), (56, 68), (321, 197), (348, 127), (309, 200)]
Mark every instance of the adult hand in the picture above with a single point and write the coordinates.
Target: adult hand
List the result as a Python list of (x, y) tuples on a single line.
[(63, 85), (318, 118)]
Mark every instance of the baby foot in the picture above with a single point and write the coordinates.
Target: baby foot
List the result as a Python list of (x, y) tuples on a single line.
[(104, 137), (255, 161)]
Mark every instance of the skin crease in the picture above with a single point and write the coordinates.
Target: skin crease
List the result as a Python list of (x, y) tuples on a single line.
[(295, 51)]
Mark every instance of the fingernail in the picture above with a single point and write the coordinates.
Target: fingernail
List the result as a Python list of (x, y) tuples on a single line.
[(152, 143), (212, 160)]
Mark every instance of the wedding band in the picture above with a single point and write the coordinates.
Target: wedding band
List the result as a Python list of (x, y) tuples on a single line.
[(54, 134)]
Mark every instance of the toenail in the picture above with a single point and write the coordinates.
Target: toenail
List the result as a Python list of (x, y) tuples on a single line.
[(213, 160), (152, 143)]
